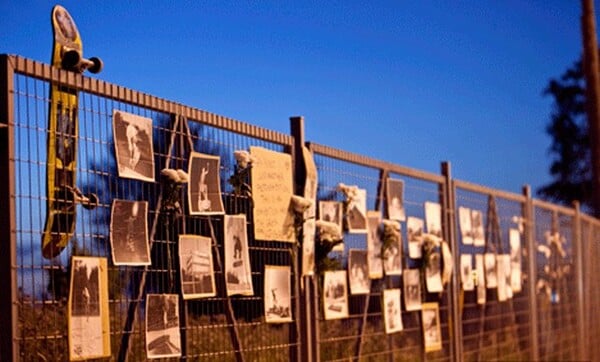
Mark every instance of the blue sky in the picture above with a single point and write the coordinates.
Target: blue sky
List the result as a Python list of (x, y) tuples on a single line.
[(410, 82)]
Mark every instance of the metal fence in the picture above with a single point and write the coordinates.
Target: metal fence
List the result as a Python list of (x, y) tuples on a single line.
[(552, 317)]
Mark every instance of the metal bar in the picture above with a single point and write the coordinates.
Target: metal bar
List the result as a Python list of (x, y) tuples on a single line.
[(448, 198), (104, 89), (531, 271), (488, 190), (581, 321), (374, 163), (304, 295), (553, 207), (9, 311)]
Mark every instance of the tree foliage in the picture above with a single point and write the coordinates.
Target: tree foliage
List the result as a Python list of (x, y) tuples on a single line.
[(570, 167)]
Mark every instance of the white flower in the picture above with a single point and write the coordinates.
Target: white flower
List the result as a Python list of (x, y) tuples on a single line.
[(391, 226), (351, 192), (329, 231), (244, 158), (183, 176), (177, 176), (432, 238), (300, 204)]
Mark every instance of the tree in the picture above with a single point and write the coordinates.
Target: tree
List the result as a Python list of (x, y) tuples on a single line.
[(570, 150)]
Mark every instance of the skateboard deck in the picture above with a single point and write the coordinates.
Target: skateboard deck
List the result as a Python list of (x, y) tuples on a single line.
[(61, 185)]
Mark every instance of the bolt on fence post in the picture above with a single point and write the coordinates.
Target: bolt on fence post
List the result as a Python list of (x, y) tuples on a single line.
[(9, 346), (448, 199), (303, 306), (529, 231), (581, 321)]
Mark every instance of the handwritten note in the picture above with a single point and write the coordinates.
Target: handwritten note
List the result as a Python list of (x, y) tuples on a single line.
[(272, 189)]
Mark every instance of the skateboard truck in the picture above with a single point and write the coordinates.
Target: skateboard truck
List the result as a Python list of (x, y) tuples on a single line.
[(72, 60), (88, 201)]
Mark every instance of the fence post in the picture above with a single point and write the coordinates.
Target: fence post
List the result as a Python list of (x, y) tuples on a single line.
[(581, 322), (531, 272), (449, 219), (9, 346), (303, 307)]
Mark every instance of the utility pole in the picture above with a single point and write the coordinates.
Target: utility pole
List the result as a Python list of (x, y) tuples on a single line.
[(591, 67)]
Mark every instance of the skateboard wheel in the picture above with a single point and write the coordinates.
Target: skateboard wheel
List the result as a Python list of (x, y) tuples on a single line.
[(91, 203), (96, 66), (71, 59)]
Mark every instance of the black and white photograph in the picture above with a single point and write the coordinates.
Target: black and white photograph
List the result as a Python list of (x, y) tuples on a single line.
[(335, 301), (514, 237), (129, 233), (491, 274), (358, 272), (480, 269), (433, 218), (133, 146), (466, 272), (391, 311), (414, 227), (89, 329), (162, 326), (464, 221), (503, 268), (332, 211), (374, 244), (196, 266), (237, 258), (277, 294), (356, 214), (204, 188), (395, 199), (412, 289), (392, 255), (432, 334), (433, 272), (477, 228)]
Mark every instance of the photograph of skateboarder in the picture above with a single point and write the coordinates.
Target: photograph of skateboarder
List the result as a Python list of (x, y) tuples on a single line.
[(133, 146), (237, 259), (204, 191), (129, 233)]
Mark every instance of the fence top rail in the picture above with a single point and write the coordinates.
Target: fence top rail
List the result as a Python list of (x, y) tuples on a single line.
[(553, 207), (489, 191), (374, 163), (45, 72)]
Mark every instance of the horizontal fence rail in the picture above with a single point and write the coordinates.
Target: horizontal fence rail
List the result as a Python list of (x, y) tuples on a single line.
[(545, 312)]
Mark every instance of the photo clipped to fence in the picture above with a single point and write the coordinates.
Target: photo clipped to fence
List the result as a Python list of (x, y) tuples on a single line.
[(237, 258), (309, 225), (432, 334), (332, 211), (356, 212), (129, 233), (277, 294), (204, 188), (412, 289), (162, 326), (466, 272), (133, 146), (481, 288), (88, 314), (392, 254), (466, 232), (196, 267), (374, 245), (515, 259), (477, 228), (391, 310), (433, 218), (358, 272), (335, 295), (414, 232), (395, 199)]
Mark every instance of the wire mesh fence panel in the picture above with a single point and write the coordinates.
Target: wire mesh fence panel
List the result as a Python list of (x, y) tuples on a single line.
[(362, 334), (217, 327), (557, 295), (495, 316), (590, 233)]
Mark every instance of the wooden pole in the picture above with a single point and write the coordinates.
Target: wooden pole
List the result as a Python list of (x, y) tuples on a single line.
[(592, 80)]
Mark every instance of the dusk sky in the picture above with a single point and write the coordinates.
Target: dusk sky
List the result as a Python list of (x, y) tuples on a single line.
[(410, 82)]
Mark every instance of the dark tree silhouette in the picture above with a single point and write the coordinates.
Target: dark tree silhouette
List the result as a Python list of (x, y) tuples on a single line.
[(570, 167)]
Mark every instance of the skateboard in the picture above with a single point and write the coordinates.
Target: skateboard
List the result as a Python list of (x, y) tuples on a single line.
[(61, 185)]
